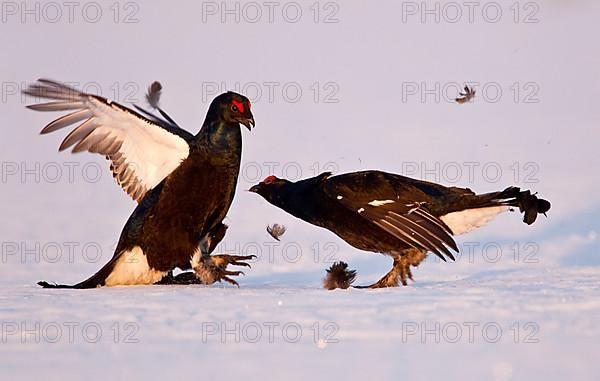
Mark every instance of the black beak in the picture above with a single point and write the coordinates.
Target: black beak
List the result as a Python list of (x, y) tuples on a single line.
[(248, 122), (254, 189)]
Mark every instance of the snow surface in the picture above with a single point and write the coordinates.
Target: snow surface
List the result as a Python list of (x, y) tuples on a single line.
[(178, 330)]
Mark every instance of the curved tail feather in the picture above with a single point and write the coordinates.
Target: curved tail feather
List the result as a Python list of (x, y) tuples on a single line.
[(471, 211), (529, 204)]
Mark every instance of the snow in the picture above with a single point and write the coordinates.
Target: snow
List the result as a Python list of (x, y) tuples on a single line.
[(497, 325)]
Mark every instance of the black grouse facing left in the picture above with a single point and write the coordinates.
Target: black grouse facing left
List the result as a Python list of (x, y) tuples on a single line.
[(184, 184), (392, 214)]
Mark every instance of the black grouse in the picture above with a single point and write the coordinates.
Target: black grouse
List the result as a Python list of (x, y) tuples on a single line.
[(184, 184), (392, 214)]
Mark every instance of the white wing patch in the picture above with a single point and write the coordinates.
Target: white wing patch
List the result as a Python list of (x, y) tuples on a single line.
[(132, 268), (471, 219), (380, 202), (142, 153)]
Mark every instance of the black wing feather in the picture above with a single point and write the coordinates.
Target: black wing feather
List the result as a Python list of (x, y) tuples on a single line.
[(403, 210)]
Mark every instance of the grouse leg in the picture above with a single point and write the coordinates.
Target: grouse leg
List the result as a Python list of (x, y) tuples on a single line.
[(209, 269), (400, 271), (213, 268)]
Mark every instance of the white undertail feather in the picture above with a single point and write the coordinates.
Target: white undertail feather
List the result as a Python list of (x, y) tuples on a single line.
[(471, 219), (132, 268)]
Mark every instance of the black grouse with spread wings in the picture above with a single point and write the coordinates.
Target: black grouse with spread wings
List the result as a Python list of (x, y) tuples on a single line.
[(184, 184)]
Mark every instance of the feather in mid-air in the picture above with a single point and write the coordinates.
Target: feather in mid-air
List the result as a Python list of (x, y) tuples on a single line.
[(276, 231), (154, 92), (153, 99), (467, 96)]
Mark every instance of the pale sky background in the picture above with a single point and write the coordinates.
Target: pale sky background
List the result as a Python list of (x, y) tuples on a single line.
[(367, 58)]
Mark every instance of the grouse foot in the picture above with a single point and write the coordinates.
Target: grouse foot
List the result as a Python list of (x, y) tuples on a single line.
[(400, 271), (213, 268)]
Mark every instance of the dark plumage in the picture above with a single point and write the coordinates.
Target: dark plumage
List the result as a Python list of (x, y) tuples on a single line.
[(338, 276), (276, 231), (392, 214), (154, 93), (466, 96), (184, 183)]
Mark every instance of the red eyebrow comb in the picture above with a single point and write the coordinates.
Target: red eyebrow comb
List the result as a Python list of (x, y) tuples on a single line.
[(269, 179), (238, 104)]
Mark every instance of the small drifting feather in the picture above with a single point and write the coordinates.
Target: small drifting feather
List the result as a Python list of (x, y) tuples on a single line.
[(276, 231), (338, 276), (467, 96), (153, 96)]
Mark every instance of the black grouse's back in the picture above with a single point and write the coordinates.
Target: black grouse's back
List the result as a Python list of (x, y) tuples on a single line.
[(366, 186)]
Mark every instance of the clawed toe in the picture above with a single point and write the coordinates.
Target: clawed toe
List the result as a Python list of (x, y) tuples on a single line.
[(382, 283), (237, 260), (233, 273), (389, 280), (222, 260), (230, 281), (211, 269)]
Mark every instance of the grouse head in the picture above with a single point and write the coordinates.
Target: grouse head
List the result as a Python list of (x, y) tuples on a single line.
[(269, 188), (233, 108)]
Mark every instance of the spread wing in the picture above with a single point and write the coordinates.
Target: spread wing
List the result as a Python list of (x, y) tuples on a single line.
[(394, 205), (142, 151)]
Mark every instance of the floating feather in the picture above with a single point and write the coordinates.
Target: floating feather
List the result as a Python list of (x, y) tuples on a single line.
[(276, 231), (153, 96)]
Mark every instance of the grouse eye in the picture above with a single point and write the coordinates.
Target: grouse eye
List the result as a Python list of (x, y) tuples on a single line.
[(237, 106)]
